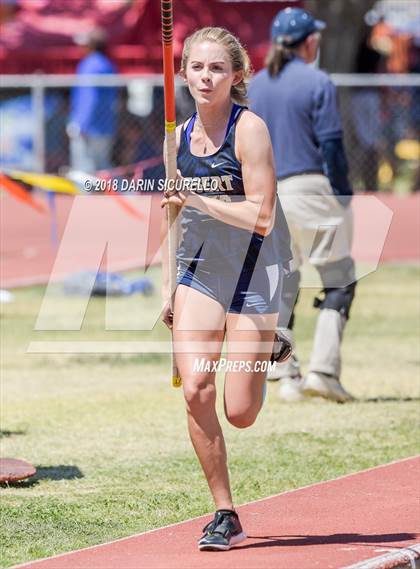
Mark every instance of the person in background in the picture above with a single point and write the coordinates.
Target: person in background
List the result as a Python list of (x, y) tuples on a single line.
[(395, 38), (93, 115), (366, 116), (299, 105)]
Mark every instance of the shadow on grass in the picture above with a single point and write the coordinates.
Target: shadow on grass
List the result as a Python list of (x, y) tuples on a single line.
[(4, 434), (386, 399), (337, 538), (61, 472)]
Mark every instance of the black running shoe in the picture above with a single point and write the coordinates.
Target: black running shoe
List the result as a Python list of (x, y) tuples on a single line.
[(222, 532)]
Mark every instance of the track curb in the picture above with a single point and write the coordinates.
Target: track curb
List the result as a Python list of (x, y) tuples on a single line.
[(405, 558)]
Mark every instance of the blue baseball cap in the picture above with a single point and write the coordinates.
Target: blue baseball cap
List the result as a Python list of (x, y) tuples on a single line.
[(293, 25)]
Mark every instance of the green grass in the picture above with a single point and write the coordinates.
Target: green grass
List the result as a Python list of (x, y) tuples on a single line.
[(108, 434)]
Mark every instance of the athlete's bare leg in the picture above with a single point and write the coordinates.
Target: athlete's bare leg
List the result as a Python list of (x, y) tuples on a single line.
[(198, 318), (243, 396)]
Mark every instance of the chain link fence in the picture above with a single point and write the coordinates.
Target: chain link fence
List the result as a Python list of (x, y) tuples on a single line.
[(381, 121), (123, 122), (380, 113)]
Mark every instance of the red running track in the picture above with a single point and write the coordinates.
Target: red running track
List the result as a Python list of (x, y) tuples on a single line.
[(330, 525), (29, 257), (84, 225)]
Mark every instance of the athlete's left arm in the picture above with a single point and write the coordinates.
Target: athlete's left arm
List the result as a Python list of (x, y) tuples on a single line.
[(256, 212), (254, 151)]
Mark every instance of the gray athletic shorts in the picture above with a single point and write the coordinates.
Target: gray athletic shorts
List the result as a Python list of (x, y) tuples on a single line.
[(256, 292)]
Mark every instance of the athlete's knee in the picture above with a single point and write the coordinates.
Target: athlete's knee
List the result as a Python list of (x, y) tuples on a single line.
[(339, 297), (242, 419), (199, 393)]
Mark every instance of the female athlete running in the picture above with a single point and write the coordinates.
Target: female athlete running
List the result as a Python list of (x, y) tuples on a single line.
[(233, 249)]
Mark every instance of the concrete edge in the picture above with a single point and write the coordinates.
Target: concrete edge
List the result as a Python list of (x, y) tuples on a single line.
[(404, 558)]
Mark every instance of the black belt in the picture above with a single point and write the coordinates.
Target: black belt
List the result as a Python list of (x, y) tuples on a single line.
[(304, 173)]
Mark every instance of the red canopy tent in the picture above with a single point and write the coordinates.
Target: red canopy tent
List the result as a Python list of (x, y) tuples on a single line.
[(37, 35)]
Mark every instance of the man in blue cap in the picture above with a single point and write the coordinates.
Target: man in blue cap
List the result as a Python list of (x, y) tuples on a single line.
[(299, 105)]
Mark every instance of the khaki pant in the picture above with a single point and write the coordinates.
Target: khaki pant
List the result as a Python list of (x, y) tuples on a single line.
[(320, 227), (321, 230)]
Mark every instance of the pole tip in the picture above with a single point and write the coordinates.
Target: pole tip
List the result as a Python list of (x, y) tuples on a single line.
[(176, 381)]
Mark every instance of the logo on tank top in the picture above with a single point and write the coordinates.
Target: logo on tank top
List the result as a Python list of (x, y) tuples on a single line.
[(219, 185), (209, 184)]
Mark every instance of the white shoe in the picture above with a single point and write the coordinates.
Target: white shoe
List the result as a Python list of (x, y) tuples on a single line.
[(289, 368), (274, 373), (290, 389), (322, 385)]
